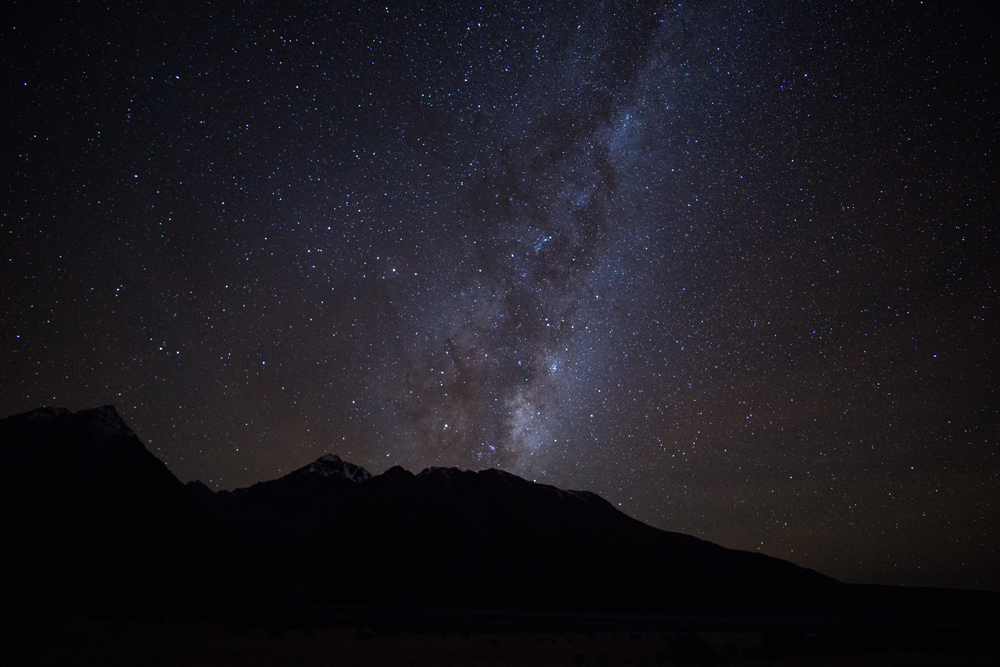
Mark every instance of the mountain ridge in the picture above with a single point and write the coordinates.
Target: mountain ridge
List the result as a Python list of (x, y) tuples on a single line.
[(90, 509)]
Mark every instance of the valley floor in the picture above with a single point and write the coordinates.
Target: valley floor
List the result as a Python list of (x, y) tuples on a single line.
[(75, 636)]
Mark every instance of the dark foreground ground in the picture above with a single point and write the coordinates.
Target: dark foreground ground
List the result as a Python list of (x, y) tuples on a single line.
[(122, 632)]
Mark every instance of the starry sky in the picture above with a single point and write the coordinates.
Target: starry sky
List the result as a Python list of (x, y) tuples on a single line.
[(733, 266)]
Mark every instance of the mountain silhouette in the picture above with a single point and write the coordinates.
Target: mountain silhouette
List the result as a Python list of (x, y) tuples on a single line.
[(88, 510)]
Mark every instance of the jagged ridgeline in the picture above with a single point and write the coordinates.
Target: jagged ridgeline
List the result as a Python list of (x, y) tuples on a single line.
[(86, 509)]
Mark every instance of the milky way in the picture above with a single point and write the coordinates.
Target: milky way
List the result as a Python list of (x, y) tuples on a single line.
[(538, 224), (731, 266)]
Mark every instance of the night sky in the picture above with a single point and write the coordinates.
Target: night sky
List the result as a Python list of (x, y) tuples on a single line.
[(732, 266)]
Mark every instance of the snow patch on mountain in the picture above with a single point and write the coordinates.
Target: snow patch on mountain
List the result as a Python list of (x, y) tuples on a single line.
[(46, 414), (439, 471), (106, 421), (330, 464)]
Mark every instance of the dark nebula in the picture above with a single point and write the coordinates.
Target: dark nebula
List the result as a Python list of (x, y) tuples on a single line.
[(731, 266)]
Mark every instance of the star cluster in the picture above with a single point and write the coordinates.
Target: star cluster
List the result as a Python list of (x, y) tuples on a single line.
[(730, 265)]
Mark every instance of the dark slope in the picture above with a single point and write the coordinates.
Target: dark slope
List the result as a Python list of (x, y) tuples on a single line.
[(490, 539), (88, 510), (84, 507)]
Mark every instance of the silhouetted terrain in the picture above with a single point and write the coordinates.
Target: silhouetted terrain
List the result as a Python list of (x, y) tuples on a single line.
[(90, 519)]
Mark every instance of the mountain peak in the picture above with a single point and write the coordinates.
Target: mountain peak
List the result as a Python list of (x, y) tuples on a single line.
[(100, 422), (440, 471), (331, 465), (45, 414), (106, 420)]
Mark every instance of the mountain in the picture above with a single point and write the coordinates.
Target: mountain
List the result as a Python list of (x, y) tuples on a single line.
[(89, 510), (464, 539), (84, 507)]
